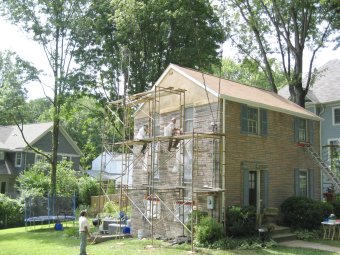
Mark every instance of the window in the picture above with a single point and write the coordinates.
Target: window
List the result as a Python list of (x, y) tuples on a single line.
[(253, 120), (65, 158), (153, 207), (187, 160), (334, 153), (336, 115), (3, 188), (2, 155), (18, 159), (39, 158), (303, 130), (188, 119), (304, 183), (182, 211)]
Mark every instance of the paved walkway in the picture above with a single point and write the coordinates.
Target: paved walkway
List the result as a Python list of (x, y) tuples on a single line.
[(304, 244)]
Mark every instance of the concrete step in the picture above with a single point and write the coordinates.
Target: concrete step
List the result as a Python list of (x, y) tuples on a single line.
[(283, 237)]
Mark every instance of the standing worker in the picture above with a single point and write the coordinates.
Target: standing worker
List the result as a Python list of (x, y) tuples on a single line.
[(84, 231), (171, 130), (142, 132)]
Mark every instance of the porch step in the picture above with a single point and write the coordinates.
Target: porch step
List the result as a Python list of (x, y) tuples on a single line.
[(281, 234)]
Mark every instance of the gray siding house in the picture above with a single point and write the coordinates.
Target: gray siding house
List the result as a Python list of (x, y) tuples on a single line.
[(16, 156), (323, 99)]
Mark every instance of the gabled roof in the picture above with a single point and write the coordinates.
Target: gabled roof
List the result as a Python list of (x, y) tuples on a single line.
[(326, 87), (241, 93), (11, 138)]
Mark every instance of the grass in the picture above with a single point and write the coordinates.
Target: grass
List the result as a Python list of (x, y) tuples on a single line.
[(41, 240)]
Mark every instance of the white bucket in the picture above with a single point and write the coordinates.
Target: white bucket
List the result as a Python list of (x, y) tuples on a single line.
[(140, 233)]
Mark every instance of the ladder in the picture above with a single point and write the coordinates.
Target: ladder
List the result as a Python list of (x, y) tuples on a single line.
[(324, 167)]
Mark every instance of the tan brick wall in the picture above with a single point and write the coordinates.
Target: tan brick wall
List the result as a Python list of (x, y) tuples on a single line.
[(277, 151)]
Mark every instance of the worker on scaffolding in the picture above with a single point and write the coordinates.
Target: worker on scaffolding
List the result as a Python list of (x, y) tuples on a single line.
[(171, 130), (142, 133)]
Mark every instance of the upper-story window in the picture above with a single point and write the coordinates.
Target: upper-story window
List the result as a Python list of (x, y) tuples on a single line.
[(336, 115), (188, 119), (253, 120), (2, 155), (18, 159), (303, 130)]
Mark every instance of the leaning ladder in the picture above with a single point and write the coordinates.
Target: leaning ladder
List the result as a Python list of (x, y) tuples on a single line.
[(324, 167)]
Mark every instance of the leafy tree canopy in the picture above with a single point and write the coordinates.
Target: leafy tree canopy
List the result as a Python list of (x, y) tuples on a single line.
[(280, 29)]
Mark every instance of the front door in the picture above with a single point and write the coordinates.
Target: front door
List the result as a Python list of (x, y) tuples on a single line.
[(252, 188)]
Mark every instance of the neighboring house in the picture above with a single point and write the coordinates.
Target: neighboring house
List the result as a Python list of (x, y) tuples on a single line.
[(323, 99), (239, 146), (111, 168), (16, 156)]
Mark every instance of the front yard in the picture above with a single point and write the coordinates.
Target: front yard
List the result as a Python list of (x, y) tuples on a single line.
[(41, 240)]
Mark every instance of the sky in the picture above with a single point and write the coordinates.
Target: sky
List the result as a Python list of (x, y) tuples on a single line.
[(15, 40)]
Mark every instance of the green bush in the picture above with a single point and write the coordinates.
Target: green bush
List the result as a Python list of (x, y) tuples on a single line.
[(87, 187), (304, 213), (241, 221), (305, 234), (11, 212), (251, 243), (208, 231), (197, 216)]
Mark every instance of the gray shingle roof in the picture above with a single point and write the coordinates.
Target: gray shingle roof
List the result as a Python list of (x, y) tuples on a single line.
[(11, 138), (327, 85)]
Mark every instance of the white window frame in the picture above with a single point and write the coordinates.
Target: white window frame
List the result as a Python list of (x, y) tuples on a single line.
[(307, 184), (303, 132), (183, 210), (253, 123), (156, 210), (39, 158), (2, 155), (66, 158), (333, 115), (18, 158), (329, 141)]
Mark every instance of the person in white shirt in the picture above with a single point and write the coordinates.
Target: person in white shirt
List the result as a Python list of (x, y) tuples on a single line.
[(142, 133), (84, 231), (171, 130)]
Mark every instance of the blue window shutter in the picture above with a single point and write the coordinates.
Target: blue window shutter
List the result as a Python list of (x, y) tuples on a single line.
[(264, 122), (296, 182), (266, 188), (311, 131), (245, 187), (244, 119), (296, 129), (311, 183)]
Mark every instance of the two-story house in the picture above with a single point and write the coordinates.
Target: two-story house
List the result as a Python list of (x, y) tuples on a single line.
[(323, 99), (238, 145), (16, 156)]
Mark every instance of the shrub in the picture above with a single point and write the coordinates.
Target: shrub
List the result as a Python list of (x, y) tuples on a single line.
[(208, 231), (305, 234), (252, 243), (304, 213), (241, 221), (197, 216), (87, 187), (11, 212)]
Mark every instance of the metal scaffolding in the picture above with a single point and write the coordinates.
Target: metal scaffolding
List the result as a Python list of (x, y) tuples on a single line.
[(197, 142)]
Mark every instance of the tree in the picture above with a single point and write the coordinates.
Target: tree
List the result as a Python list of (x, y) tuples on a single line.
[(137, 39), (50, 23), (35, 181), (265, 30), (248, 72), (15, 73)]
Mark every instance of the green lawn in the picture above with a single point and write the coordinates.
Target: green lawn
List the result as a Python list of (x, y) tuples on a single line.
[(38, 240)]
